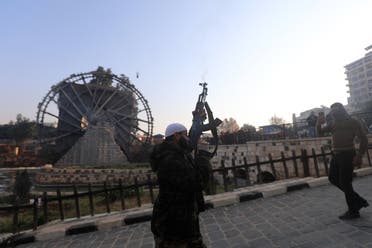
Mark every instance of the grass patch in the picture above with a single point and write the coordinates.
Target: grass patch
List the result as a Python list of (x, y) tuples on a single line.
[(25, 217), (114, 166)]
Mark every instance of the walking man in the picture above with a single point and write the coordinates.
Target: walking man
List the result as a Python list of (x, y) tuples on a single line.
[(344, 129)]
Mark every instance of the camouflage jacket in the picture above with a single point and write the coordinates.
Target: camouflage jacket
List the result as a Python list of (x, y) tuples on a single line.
[(176, 209)]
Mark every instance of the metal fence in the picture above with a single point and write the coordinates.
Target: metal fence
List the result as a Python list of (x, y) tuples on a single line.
[(238, 175), (43, 209), (302, 165)]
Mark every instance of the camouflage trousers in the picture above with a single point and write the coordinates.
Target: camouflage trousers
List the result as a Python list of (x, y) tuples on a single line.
[(194, 243)]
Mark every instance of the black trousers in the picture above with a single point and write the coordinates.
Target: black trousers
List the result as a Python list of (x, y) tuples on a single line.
[(341, 175)]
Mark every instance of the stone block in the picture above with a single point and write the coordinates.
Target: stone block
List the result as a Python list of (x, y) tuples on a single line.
[(273, 191), (298, 186), (81, 228), (315, 182), (52, 233), (23, 238), (139, 216), (363, 171), (248, 196), (297, 181), (226, 200), (110, 222)]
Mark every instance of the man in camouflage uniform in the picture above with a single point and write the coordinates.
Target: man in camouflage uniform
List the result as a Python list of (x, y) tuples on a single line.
[(175, 218)]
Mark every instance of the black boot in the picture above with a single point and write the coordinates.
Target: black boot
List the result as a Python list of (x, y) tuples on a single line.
[(349, 215), (364, 204)]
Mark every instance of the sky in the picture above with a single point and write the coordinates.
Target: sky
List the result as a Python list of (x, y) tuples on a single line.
[(260, 58)]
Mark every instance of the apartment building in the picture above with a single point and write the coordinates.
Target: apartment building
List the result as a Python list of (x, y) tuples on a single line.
[(359, 76), (300, 120)]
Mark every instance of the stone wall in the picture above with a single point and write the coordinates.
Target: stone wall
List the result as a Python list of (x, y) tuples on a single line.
[(262, 149), (228, 153), (92, 176)]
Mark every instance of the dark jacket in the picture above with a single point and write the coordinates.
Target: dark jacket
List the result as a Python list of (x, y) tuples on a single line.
[(344, 132), (176, 209), (311, 120)]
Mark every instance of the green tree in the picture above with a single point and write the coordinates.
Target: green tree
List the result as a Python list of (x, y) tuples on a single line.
[(275, 120), (23, 129), (102, 77), (228, 126), (248, 128), (6, 131)]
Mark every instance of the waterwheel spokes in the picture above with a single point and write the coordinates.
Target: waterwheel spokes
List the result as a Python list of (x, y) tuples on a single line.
[(85, 100)]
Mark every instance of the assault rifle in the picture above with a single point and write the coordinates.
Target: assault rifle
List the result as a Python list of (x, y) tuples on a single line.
[(200, 114)]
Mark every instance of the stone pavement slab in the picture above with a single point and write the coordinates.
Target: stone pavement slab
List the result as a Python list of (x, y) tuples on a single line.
[(303, 218)]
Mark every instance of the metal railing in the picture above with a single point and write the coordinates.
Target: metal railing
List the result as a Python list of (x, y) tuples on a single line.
[(281, 168), (106, 191), (300, 165)]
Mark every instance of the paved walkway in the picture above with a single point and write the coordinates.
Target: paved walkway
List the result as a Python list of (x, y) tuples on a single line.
[(304, 218)]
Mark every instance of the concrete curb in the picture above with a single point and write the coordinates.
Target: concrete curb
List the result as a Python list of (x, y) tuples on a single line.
[(24, 239), (316, 182), (81, 228), (363, 172), (225, 201), (51, 234), (107, 221), (137, 217), (273, 191), (249, 196)]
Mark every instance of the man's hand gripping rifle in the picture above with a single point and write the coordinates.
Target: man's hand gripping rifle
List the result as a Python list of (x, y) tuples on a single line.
[(200, 114)]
